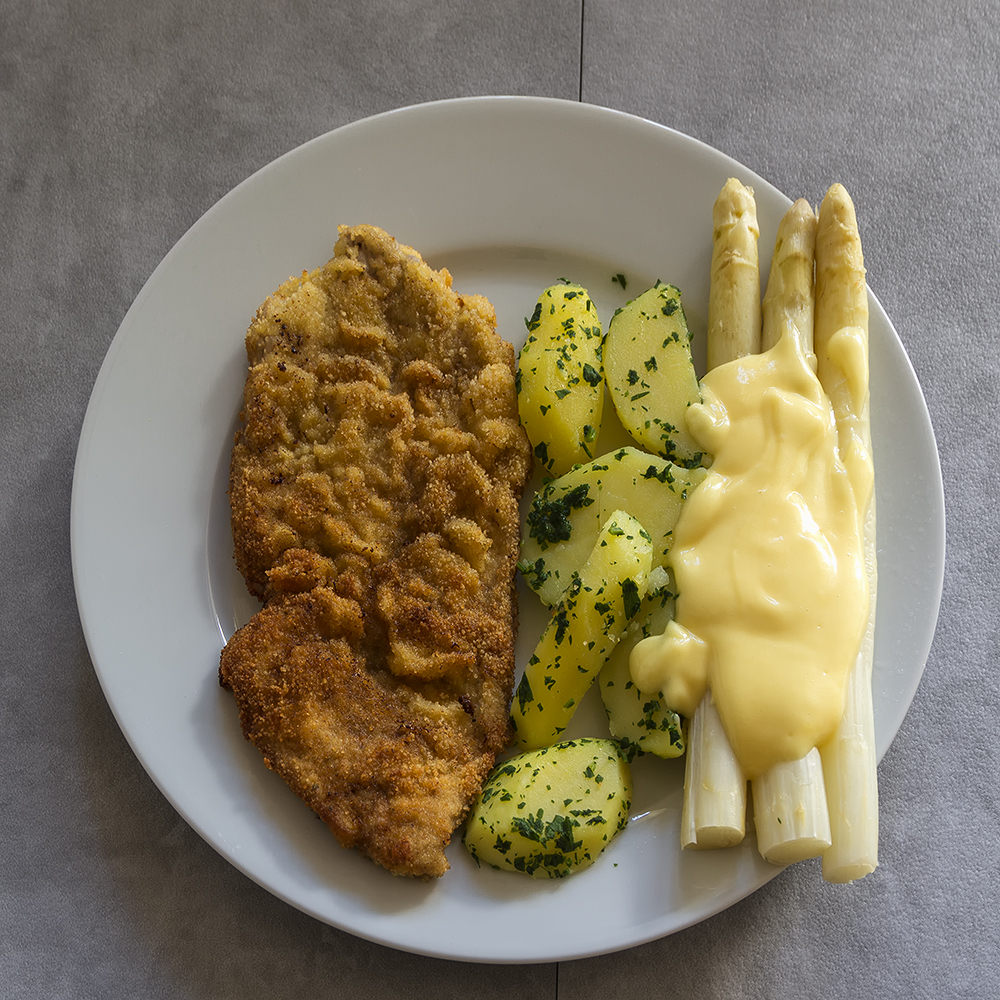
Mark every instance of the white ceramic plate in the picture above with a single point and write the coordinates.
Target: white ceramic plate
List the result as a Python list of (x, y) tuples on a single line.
[(510, 194)]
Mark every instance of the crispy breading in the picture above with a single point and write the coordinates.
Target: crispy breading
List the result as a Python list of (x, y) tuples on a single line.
[(374, 488)]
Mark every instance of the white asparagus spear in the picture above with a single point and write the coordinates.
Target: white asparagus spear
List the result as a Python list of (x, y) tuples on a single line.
[(790, 811), (849, 760), (790, 298), (734, 293), (789, 800), (713, 813)]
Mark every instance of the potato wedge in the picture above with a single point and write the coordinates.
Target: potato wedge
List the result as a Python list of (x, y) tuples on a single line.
[(566, 515), (601, 599), (560, 378), (550, 812), (650, 373), (639, 720)]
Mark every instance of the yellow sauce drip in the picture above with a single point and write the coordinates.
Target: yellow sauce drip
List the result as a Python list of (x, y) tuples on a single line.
[(768, 558)]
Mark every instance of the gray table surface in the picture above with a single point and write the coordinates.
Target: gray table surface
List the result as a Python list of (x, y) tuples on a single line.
[(120, 124)]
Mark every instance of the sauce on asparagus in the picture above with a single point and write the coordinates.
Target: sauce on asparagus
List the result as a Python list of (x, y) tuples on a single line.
[(768, 557)]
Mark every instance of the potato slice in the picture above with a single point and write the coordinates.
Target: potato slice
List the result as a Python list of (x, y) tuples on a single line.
[(639, 720), (550, 812), (582, 631), (649, 371), (566, 515), (560, 378)]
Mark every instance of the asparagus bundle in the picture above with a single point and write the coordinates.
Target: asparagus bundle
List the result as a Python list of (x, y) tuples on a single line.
[(826, 802)]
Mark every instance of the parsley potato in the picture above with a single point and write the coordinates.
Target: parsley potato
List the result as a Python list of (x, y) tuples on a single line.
[(650, 373), (566, 514), (560, 378), (601, 599), (549, 813), (640, 720)]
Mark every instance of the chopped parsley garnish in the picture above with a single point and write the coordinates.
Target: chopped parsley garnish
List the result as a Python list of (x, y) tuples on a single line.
[(524, 694), (536, 316), (561, 619), (536, 569), (630, 595), (549, 520)]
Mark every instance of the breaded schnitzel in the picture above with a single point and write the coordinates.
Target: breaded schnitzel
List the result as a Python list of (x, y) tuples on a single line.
[(374, 488)]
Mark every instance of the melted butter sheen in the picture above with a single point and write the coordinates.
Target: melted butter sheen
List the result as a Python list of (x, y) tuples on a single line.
[(768, 559)]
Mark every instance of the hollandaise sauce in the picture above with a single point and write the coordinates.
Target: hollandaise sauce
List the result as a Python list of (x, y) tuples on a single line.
[(768, 557)]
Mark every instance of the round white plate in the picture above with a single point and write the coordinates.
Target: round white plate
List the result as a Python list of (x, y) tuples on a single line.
[(510, 194)]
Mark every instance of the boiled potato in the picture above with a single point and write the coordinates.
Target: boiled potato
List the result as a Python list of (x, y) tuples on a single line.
[(639, 720), (582, 631), (550, 812), (649, 371), (560, 378), (566, 515)]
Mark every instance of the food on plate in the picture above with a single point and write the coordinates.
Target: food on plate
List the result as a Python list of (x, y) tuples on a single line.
[(560, 378), (640, 721), (374, 488), (650, 374), (774, 553), (566, 514), (772, 549), (550, 812), (593, 613)]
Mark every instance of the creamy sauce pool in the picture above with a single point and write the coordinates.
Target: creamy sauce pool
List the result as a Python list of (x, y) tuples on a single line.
[(768, 557)]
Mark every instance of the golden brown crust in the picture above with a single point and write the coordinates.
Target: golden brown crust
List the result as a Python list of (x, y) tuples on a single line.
[(374, 489)]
